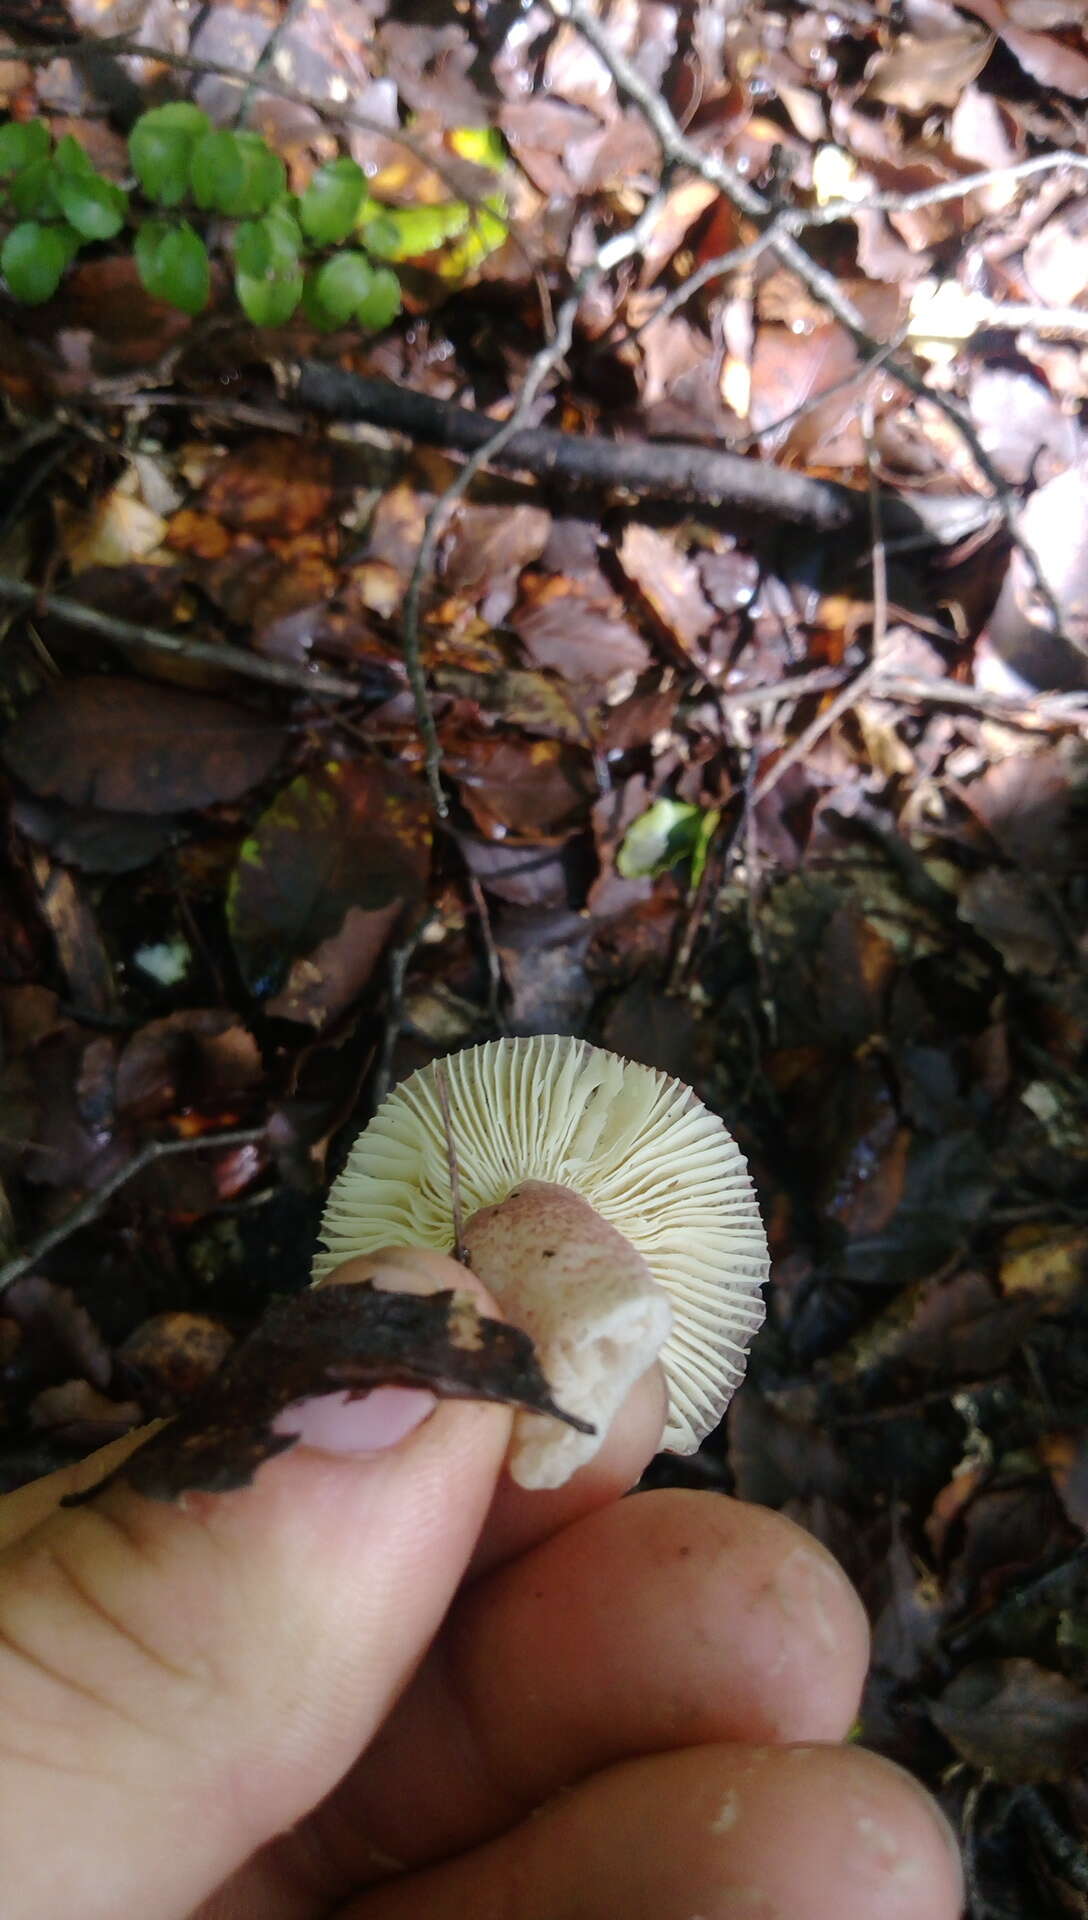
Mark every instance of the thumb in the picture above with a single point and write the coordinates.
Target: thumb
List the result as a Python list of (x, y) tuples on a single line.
[(179, 1683)]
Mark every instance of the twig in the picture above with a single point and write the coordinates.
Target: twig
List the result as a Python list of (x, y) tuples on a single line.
[(442, 1089), (1062, 712), (678, 150), (126, 633), (798, 749), (934, 196), (494, 964), (399, 961), (876, 533), (655, 469), (96, 1203)]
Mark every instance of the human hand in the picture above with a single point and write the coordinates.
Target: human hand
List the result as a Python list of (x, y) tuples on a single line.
[(390, 1684)]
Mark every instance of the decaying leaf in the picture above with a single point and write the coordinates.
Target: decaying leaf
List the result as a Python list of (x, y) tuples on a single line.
[(335, 1339), (1015, 1720), (104, 740), (350, 834)]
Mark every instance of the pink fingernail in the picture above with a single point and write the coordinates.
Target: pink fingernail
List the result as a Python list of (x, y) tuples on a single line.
[(335, 1423)]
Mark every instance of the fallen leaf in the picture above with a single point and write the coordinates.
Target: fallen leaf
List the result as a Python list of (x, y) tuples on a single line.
[(669, 584), (918, 74), (197, 1058), (578, 629), (92, 840), (1050, 61), (510, 787), (1014, 1720), (277, 486), (1019, 925), (351, 834), (335, 1339), (108, 741), (321, 984)]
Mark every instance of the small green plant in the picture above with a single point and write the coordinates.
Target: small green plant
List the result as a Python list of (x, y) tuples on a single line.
[(287, 250)]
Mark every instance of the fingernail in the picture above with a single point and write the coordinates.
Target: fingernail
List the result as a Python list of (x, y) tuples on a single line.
[(335, 1423)]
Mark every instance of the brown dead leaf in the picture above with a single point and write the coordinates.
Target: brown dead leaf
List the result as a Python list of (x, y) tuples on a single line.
[(668, 582), (1015, 1720), (81, 950), (105, 740), (577, 628), (197, 1058), (1049, 60), (321, 984), (275, 485), (491, 544), (530, 789), (919, 74)]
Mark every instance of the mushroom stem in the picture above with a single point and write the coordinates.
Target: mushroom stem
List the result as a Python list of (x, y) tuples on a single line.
[(587, 1299)]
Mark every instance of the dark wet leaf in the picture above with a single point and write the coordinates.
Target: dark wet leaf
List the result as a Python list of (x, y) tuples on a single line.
[(131, 747), (197, 1058), (96, 842), (1015, 1720), (350, 834), (335, 1339)]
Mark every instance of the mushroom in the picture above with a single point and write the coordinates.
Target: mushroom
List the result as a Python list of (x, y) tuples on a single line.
[(607, 1210)]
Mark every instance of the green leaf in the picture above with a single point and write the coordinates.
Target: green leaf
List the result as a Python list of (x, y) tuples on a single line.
[(160, 147), (407, 233), (268, 302), (668, 832), (217, 172), (484, 146), (235, 173), (173, 264), (33, 258), (331, 203), (22, 141), (93, 206), (381, 304), (341, 284), (266, 175), (270, 245), (71, 157), (33, 191)]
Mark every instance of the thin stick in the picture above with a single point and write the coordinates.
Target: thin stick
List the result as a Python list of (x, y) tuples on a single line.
[(804, 743), (126, 633), (96, 1203), (878, 647), (442, 1088)]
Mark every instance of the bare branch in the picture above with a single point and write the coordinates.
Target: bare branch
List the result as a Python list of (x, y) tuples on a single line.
[(97, 1202), (127, 633)]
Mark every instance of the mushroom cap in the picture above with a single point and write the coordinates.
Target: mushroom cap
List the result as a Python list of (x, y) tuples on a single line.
[(638, 1145)]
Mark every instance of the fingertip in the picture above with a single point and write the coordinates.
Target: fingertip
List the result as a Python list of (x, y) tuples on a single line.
[(520, 1519)]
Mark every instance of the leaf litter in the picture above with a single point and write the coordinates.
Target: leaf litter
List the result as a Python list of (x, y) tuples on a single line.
[(798, 817)]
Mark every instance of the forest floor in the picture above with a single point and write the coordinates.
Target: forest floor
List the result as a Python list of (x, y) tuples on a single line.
[(769, 772)]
